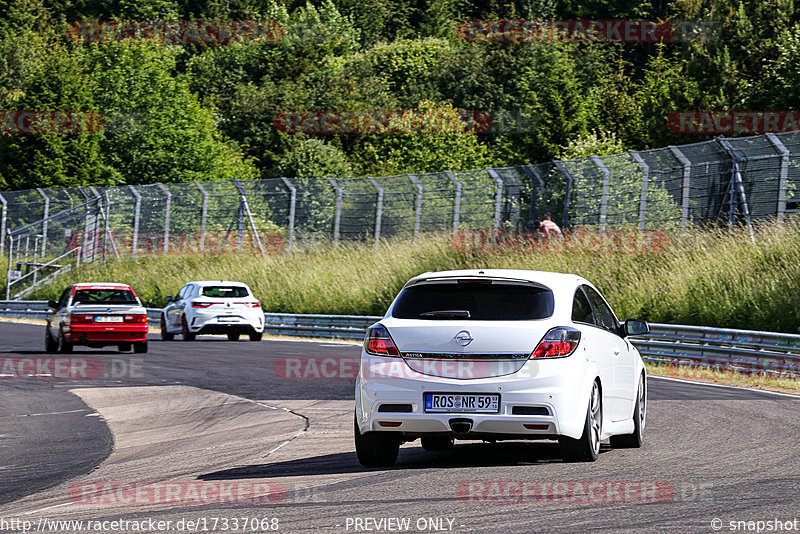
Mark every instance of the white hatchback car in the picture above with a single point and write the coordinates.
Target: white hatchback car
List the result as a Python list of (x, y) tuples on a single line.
[(499, 355), (212, 307)]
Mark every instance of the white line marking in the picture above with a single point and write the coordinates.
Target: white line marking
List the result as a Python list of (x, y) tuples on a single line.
[(52, 413), (709, 384)]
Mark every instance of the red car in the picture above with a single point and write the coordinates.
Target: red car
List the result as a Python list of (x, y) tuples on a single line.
[(97, 315)]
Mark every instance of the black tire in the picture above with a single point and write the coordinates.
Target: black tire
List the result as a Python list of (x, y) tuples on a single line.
[(64, 346), (49, 344), (140, 347), (375, 449), (256, 336), (636, 439), (587, 447), (124, 347), (187, 336), (437, 443), (233, 336), (165, 336)]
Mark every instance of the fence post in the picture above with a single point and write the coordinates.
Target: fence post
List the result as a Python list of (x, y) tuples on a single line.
[(604, 198), (645, 179), (136, 213), (99, 199), (567, 192), (10, 260), (3, 216), (337, 216), (417, 205), (379, 211), (687, 176), (457, 205), (738, 185), (785, 153), (167, 210), (245, 208), (292, 205), (536, 180), (44, 218), (498, 199), (203, 216)]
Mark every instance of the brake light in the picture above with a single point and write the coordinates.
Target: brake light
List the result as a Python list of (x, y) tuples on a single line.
[(81, 318), (136, 318), (558, 342), (379, 343), (202, 304), (249, 304)]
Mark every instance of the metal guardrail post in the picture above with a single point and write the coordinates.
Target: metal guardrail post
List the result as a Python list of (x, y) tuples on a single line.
[(604, 196), (379, 210), (737, 181), (244, 206), (536, 180), (167, 213), (44, 218), (203, 216), (498, 199), (292, 205), (785, 153), (136, 213), (567, 191), (10, 260), (337, 216), (3, 217), (645, 182), (417, 205), (687, 177), (457, 202)]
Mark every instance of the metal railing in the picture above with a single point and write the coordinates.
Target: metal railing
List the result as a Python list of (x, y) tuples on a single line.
[(742, 350)]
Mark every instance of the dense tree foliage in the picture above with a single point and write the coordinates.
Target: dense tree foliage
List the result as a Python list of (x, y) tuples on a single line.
[(198, 110)]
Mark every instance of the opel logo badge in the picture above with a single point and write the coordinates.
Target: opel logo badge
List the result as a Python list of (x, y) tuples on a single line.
[(463, 338)]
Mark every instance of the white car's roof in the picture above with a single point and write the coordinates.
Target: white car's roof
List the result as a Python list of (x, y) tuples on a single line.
[(217, 283), (552, 280)]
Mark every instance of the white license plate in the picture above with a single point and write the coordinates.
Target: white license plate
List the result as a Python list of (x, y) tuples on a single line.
[(228, 319), (458, 402), (108, 319)]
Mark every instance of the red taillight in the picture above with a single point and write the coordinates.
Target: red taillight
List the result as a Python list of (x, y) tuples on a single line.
[(390, 423), (557, 343), (249, 304), (536, 427), (81, 318), (255, 304), (136, 318), (202, 304), (379, 343)]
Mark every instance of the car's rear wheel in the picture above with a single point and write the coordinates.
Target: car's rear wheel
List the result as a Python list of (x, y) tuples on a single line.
[(437, 443), (187, 336), (165, 336), (50, 345), (124, 347), (256, 336), (233, 336), (587, 447), (635, 440), (140, 347), (375, 449), (64, 346)]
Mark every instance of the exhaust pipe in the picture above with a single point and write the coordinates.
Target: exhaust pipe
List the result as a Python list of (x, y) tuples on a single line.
[(461, 425)]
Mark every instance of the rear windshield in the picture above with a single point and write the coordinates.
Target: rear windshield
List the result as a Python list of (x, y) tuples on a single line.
[(231, 292), (478, 302), (104, 296)]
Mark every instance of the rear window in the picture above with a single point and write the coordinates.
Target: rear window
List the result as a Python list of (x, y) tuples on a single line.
[(104, 296), (474, 301), (231, 292)]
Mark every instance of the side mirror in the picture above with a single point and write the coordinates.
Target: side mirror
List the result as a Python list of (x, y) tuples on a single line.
[(168, 298), (52, 304), (635, 327)]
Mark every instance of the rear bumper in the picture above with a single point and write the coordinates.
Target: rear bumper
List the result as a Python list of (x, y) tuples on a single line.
[(104, 334), (241, 328), (205, 322)]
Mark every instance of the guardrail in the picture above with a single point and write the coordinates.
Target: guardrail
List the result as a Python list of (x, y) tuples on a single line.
[(744, 350)]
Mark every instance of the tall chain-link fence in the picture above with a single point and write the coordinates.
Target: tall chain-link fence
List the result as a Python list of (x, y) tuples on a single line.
[(673, 188)]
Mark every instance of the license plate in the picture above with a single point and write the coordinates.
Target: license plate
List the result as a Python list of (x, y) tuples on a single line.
[(452, 402), (227, 319), (108, 319)]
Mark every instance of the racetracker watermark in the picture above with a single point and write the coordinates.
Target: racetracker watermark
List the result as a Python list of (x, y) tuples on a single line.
[(69, 368), (177, 31), (50, 122), (582, 31), (733, 122), (569, 242), (565, 491), (175, 493)]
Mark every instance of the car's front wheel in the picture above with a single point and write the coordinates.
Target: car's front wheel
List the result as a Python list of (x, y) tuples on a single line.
[(635, 440), (375, 449), (64, 346), (587, 447), (50, 345)]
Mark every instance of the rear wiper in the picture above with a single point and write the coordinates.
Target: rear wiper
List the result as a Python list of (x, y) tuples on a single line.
[(446, 314)]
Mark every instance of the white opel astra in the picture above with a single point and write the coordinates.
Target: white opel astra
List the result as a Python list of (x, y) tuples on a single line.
[(495, 355)]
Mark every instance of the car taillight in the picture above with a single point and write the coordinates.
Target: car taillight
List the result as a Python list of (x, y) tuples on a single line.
[(136, 318), (379, 343), (558, 342), (250, 304), (202, 304), (81, 318)]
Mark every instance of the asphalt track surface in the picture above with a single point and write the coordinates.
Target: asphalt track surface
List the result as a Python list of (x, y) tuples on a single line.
[(714, 453)]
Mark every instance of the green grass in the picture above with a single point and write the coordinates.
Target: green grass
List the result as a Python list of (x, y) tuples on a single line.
[(715, 278), (726, 377)]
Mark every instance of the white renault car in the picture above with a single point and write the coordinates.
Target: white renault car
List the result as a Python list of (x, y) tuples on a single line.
[(212, 307), (499, 355)]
